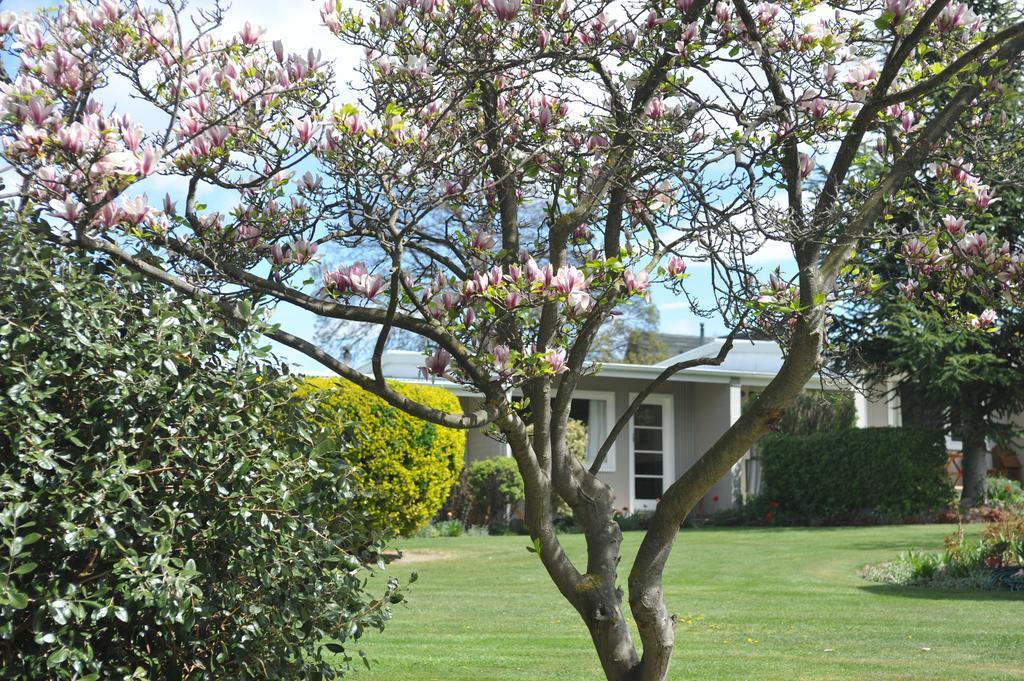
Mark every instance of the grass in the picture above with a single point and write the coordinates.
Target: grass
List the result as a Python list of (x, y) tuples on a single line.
[(758, 604)]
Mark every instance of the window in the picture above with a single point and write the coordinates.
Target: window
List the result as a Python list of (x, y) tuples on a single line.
[(649, 451), (652, 451), (595, 411)]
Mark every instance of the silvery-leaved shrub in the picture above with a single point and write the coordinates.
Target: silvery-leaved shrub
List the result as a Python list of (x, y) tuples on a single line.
[(166, 511)]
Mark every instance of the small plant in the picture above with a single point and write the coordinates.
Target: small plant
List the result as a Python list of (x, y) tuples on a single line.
[(1005, 493), (989, 563), (443, 528), (495, 488), (1005, 540)]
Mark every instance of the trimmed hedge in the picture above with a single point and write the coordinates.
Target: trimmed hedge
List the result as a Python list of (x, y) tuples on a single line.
[(863, 472), (403, 466)]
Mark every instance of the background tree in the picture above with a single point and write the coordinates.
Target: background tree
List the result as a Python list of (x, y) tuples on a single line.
[(947, 376), (631, 335), (641, 132)]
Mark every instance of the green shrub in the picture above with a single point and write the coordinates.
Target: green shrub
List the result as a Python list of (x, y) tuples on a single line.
[(878, 473), (495, 487), (404, 467), (155, 522), (1005, 493)]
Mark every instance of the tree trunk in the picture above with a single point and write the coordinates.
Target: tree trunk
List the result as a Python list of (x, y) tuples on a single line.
[(973, 464)]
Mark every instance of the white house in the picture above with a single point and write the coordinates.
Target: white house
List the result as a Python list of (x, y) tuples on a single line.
[(672, 429)]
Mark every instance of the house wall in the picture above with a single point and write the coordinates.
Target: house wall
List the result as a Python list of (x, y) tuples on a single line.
[(715, 407), (478, 444), (701, 412), (879, 408)]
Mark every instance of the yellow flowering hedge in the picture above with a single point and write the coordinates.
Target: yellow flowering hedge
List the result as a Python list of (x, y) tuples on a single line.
[(404, 467)]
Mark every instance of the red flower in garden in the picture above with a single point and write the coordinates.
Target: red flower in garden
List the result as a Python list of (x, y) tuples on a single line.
[(773, 504)]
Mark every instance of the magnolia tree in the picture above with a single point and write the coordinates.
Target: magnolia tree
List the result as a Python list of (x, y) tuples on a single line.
[(508, 175)]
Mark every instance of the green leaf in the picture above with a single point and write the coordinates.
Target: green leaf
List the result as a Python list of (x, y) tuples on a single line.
[(19, 601), (25, 568), (57, 656)]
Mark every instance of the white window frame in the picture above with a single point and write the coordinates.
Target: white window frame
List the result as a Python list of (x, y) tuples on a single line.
[(610, 416), (668, 465)]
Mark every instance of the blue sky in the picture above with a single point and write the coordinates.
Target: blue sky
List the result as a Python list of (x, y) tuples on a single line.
[(298, 24)]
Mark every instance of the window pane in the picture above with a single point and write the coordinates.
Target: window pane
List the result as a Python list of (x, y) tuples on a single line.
[(648, 464), (579, 409), (647, 439), (648, 488), (648, 415)]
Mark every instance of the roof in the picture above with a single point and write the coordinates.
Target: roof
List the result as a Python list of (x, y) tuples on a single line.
[(752, 363), (746, 357)]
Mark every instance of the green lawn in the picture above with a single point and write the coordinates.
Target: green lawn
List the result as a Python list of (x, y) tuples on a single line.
[(752, 604)]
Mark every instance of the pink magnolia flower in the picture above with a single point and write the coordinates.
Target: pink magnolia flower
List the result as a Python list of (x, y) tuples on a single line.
[(861, 77), (766, 13), (149, 161), (983, 197), (502, 353), (76, 138), (655, 108), (915, 248), (722, 12), (8, 20), (638, 282), (69, 209), (249, 234), (555, 360), (277, 254), (899, 8), (482, 241), (353, 279), (250, 35), (954, 225), (417, 66), (908, 288), (907, 121), (676, 266), (543, 38), (569, 279), (956, 15), (436, 364), (807, 164), (973, 244), (39, 112), (302, 251), (506, 10), (988, 317), (684, 5), (303, 130), (689, 34), (597, 141), (135, 210)]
